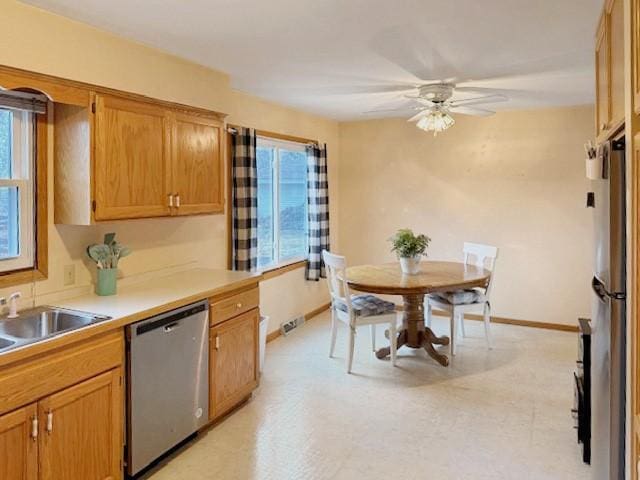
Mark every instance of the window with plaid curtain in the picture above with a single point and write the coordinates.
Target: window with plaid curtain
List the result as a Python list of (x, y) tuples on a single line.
[(318, 202), (245, 199)]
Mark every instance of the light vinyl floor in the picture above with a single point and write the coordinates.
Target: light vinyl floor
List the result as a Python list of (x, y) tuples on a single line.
[(499, 414)]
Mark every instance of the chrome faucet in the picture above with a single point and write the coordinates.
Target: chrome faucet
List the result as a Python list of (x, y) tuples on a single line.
[(13, 304)]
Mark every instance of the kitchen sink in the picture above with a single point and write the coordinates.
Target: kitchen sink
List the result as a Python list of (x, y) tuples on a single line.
[(42, 323), (5, 343)]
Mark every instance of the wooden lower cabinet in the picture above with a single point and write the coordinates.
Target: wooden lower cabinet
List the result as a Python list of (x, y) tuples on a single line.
[(233, 366), (70, 435), (18, 444), (81, 434)]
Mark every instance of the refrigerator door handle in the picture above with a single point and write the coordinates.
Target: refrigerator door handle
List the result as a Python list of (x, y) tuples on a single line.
[(601, 291)]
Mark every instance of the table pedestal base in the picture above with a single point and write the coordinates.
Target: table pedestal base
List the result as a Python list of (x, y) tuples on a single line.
[(414, 334)]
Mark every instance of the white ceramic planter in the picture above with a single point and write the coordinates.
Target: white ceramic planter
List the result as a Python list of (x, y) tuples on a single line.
[(594, 168), (410, 265)]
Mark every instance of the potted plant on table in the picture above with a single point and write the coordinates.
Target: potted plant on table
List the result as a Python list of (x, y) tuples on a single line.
[(409, 248), (107, 255)]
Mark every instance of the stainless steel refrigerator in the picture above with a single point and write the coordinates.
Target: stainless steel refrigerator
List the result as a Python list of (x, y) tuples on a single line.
[(609, 317)]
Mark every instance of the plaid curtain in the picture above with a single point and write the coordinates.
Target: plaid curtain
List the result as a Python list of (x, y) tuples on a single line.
[(318, 201), (245, 199)]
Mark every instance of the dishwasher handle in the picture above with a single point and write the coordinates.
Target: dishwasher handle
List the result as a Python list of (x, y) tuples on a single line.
[(168, 322), (171, 327)]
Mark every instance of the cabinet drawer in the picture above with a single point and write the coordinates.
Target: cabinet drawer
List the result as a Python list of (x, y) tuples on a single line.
[(227, 308), (32, 379)]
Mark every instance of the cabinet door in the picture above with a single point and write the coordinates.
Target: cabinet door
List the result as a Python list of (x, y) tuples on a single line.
[(18, 447), (635, 328), (233, 368), (197, 165), (635, 40), (81, 431), (615, 11), (603, 97), (132, 155)]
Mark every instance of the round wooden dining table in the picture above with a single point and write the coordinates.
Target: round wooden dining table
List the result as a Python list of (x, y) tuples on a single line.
[(433, 277)]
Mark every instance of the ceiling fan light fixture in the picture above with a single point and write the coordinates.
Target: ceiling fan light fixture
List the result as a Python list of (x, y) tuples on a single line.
[(436, 121)]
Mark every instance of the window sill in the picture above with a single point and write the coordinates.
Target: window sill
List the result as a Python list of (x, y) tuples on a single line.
[(278, 270), (21, 277)]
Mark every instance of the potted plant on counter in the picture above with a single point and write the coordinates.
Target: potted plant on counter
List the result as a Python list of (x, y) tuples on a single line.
[(409, 248), (107, 255)]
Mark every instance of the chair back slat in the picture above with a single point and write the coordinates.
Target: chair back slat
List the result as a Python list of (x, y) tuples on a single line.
[(336, 266), (482, 256)]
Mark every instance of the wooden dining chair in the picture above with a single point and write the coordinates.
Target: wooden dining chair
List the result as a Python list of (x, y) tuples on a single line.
[(356, 310), (459, 302)]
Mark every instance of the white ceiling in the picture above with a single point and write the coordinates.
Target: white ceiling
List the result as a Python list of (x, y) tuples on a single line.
[(340, 58)]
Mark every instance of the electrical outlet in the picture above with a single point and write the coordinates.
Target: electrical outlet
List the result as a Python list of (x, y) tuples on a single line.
[(69, 275)]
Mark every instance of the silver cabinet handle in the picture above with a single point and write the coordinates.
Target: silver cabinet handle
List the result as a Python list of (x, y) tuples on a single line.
[(170, 200), (239, 305), (34, 428), (217, 342), (49, 422), (177, 200)]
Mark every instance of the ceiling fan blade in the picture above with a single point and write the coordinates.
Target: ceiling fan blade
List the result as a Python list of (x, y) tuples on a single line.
[(477, 112), (424, 101), (361, 89), (548, 64), (419, 115), (485, 90), (493, 98), (389, 110), (413, 52)]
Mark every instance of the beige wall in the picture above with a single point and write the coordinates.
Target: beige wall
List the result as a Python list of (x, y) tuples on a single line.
[(518, 177), (514, 180), (58, 46)]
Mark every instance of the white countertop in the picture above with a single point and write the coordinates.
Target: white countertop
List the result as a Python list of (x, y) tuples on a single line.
[(151, 294), (140, 300)]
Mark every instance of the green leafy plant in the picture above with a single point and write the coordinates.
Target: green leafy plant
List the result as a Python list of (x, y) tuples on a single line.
[(109, 253), (406, 244)]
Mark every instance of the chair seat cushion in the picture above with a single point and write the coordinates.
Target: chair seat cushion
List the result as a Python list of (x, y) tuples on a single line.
[(367, 306), (459, 297)]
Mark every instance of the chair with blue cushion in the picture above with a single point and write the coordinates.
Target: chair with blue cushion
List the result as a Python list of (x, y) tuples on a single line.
[(356, 310), (459, 302)]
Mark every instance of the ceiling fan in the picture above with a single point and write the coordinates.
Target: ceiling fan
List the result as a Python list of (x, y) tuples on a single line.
[(436, 104)]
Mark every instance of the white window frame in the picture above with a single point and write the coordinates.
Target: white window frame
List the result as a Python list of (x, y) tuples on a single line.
[(276, 145), (22, 165)]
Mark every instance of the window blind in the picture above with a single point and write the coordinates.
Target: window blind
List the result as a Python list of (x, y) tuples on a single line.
[(29, 102)]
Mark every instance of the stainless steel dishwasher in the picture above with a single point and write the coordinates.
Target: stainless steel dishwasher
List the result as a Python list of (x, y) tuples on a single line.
[(168, 382)]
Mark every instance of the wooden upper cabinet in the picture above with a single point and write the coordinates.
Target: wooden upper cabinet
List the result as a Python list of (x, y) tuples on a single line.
[(132, 158), (80, 430), (18, 444), (615, 11), (123, 158), (233, 365), (603, 76), (610, 96), (197, 165), (635, 40)]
